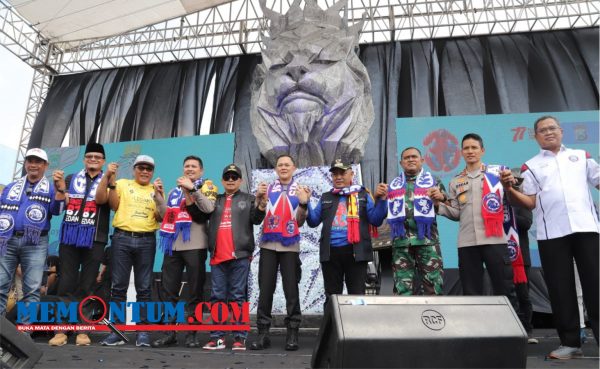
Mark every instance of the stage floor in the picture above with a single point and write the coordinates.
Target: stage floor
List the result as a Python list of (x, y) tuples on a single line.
[(129, 356)]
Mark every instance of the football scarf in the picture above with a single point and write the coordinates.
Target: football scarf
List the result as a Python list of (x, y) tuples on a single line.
[(79, 225), (37, 207), (514, 248), (424, 213), (280, 223), (176, 221), (352, 216), (491, 202)]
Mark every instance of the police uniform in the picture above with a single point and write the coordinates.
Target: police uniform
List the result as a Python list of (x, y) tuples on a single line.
[(474, 247)]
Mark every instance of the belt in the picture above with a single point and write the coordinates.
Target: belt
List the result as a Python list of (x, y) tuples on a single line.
[(135, 234), (22, 233)]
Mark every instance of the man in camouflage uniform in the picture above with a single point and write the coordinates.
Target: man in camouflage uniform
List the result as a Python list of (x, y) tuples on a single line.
[(411, 253)]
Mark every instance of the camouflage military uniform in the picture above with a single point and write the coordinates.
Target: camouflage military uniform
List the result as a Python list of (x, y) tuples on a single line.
[(410, 254)]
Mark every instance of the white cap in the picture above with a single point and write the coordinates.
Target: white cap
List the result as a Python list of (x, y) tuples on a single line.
[(38, 153), (143, 159)]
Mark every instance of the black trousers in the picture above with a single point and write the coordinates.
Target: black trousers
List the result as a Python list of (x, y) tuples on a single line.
[(289, 265), (73, 281), (525, 308), (557, 262), (341, 268), (194, 262), (497, 262)]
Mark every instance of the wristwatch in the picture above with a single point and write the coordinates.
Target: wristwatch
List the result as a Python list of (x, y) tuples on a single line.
[(112, 187)]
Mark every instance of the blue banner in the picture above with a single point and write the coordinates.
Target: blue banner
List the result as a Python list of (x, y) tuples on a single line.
[(509, 139), (216, 151)]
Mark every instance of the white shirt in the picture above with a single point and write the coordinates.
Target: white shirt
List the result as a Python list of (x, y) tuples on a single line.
[(564, 204)]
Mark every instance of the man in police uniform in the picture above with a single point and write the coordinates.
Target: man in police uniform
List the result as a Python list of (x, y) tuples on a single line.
[(477, 245)]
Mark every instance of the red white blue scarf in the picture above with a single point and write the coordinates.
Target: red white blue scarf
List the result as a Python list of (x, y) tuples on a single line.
[(514, 247), (37, 207), (280, 223), (79, 225), (352, 217), (492, 210), (424, 212), (176, 221)]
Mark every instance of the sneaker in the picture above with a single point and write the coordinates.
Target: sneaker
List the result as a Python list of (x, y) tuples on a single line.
[(112, 340), (215, 344), (142, 340), (532, 341), (565, 353), (582, 336), (83, 340), (59, 339), (239, 344)]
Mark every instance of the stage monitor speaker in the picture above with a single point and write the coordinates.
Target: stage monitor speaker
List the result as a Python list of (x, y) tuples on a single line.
[(17, 350), (420, 332)]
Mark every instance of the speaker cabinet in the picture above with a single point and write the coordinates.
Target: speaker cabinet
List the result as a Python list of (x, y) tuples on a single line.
[(17, 350), (420, 332)]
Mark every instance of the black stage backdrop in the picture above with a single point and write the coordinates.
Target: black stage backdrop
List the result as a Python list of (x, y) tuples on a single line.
[(518, 73)]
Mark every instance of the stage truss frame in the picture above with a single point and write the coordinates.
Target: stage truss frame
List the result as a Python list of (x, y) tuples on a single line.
[(235, 29)]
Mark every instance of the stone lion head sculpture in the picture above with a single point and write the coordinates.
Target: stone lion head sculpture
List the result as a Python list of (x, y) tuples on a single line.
[(311, 95)]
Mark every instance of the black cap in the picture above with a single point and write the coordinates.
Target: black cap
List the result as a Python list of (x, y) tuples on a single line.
[(233, 168), (339, 164), (95, 147)]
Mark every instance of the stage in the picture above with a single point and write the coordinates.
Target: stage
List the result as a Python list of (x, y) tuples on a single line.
[(129, 356)]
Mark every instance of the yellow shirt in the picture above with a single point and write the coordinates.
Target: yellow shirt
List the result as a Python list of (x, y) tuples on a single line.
[(136, 207)]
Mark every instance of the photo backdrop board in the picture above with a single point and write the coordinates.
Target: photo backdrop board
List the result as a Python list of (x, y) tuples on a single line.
[(508, 139), (216, 151)]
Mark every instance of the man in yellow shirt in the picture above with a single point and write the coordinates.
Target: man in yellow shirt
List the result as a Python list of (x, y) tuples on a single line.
[(134, 240)]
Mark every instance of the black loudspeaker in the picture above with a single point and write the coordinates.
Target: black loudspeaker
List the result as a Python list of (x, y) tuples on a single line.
[(17, 350), (420, 332)]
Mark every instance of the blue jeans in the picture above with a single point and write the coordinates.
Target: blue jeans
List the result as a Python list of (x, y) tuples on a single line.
[(33, 263), (136, 252), (230, 284)]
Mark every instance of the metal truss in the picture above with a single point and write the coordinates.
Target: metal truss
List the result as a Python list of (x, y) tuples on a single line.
[(235, 28), (39, 90)]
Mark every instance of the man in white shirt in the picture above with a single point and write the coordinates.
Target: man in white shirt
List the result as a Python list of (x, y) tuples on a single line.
[(556, 187)]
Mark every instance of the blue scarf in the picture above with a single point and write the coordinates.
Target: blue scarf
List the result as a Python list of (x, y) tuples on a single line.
[(177, 220), (37, 207), (424, 213), (79, 225)]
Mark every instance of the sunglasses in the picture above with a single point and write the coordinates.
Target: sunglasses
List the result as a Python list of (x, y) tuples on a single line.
[(145, 168), (231, 177), (94, 157)]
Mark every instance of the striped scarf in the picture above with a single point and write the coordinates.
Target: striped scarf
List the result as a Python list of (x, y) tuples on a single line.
[(352, 216)]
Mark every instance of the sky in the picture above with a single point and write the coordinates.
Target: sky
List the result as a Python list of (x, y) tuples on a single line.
[(15, 84)]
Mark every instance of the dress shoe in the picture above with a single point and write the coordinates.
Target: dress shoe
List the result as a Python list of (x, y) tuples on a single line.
[(263, 341), (191, 340), (168, 339)]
